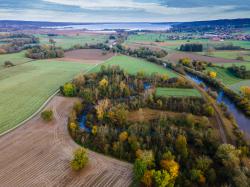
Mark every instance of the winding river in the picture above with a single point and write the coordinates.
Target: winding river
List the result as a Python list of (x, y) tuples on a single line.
[(242, 120)]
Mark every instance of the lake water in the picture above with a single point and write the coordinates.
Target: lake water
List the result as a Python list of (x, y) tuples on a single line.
[(116, 26), (242, 120)]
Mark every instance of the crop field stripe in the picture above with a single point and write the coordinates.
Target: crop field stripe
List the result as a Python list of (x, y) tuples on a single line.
[(177, 92), (134, 65), (26, 87)]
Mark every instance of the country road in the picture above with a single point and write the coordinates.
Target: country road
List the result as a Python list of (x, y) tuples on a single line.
[(38, 154)]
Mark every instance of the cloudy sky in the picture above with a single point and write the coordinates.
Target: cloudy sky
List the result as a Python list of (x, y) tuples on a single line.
[(123, 10)]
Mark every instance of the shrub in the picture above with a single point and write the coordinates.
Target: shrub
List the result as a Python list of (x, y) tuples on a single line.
[(47, 115), (69, 90), (8, 64), (80, 159)]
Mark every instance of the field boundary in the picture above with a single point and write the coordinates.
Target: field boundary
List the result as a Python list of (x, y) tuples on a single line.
[(41, 108)]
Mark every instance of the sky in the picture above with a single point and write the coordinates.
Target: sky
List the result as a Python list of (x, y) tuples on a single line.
[(123, 10)]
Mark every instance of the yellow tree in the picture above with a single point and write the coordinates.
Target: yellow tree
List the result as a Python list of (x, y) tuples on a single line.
[(147, 178), (123, 136), (122, 86), (171, 166), (103, 83), (212, 74), (245, 90), (94, 130), (101, 108)]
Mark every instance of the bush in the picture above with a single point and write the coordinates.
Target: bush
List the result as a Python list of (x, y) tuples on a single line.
[(8, 64), (47, 115), (80, 159), (69, 90)]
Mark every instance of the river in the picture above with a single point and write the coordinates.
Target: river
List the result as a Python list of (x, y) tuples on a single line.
[(242, 120)]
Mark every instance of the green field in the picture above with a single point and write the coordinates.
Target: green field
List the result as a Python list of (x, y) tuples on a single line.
[(224, 75), (26, 87), (247, 64), (134, 65), (177, 92), (15, 58), (237, 86), (67, 42), (175, 44), (230, 54)]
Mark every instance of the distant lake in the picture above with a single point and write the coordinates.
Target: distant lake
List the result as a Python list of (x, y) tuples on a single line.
[(116, 26)]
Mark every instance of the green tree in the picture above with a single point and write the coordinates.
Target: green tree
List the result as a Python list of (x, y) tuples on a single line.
[(162, 178), (47, 115), (69, 90), (139, 169), (181, 146), (80, 159)]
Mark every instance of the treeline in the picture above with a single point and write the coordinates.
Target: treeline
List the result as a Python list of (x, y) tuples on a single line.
[(227, 47), (142, 52), (240, 71), (191, 47), (45, 52), (90, 46), (17, 42)]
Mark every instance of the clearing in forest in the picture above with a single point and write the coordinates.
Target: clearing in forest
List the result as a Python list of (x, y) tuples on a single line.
[(177, 92)]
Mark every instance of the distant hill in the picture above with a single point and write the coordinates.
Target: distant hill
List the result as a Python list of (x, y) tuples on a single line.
[(212, 23), (17, 24)]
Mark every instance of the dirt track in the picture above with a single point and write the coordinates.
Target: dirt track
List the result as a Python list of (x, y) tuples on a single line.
[(38, 154)]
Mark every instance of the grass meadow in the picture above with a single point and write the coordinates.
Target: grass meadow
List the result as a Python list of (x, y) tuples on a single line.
[(15, 58), (229, 79), (134, 65), (26, 87), (224, 75), (175, 44), (247, 64), (231, 54), (177, 92)]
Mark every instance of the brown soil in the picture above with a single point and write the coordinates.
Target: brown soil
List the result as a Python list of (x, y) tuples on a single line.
[(38, 154), (88, 54), (147, 114), (175, 57)]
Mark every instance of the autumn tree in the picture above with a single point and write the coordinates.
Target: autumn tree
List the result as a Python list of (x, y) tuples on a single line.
[(147, 178), (123, 136), (101, 108), (181, 146), (79, 160), (212, 74), (69, 90)]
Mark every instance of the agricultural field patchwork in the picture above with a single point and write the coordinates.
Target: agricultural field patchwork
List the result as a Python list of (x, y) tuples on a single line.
[(26, 87), (134, 65), (67, 42), (15, 58), (177, 92)]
